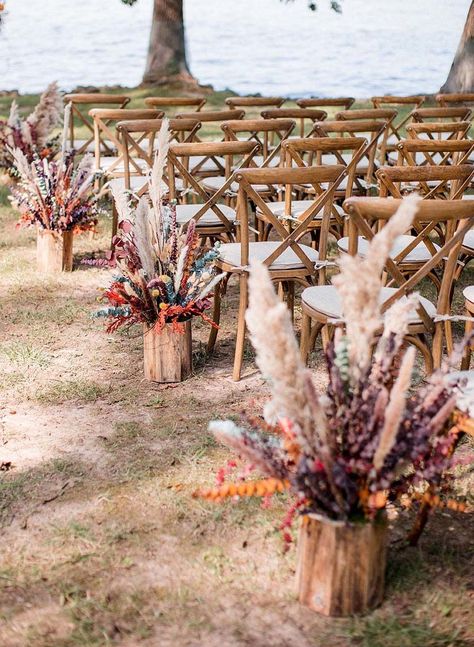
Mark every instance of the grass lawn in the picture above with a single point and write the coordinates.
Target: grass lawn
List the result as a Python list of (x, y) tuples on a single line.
[(102, 543)]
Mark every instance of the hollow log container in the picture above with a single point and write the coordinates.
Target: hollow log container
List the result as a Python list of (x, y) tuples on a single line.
[(341, 566), (167, 353), (54, 251)]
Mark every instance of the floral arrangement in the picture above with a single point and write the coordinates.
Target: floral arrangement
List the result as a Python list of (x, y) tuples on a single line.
[(33, 135), (53, 194), (366, 441), (165, 276)]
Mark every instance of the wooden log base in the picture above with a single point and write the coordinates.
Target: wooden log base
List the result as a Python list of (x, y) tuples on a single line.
[(167, 354), (54, 251), (341, 567)]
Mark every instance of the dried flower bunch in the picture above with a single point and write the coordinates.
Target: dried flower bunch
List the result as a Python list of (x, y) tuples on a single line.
[(366, 441), (55, 195), (33, 135), (165, 276)]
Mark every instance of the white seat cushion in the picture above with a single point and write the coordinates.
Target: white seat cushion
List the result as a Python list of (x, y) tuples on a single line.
[(230, 253), (136, 183), (325, 299), (420, 254), (259, 159), (298, 207), (79, 143), (184, 213), (469, 240), (107, 162), (215, 183), (331, 158), (465, 399), (208, 164), (468, 293)]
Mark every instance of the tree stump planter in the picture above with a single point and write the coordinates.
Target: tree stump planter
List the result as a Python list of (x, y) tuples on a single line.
[(167, 354), (341, 566), (54, 251)]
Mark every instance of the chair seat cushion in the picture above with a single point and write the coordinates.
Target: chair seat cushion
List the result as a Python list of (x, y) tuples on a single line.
[(468, 293), (230, 253), (420, 254), (215, 183), (107, 162), (206, 163), (184, 213), (325, 299), (90, 148), (298, 207), (136, 183)]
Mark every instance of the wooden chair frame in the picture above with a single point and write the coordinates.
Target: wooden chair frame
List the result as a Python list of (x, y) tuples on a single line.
[(246, 150), (176, 102), (453, 180), (441, 114), (301, 115), (376, 114), (254, 102), (458, 216), (90, 99), (396, 126), (255, 128), (246, 193), (455, 98), (435, 152), (454, 130), (319, 102)]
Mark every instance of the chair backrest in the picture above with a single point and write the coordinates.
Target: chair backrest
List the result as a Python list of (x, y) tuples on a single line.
[(455, 98), (452, 113), (323, 176), (80, 117), (137, 158), (456, 216), (374, 131), (305, 116), (439, 130), (105, 128), (319, 102), (402, 105), (211, 121), (178, 166), (385, 115), (269, 133), (165, 103), (254, 102), (421, 152), (431, 182)]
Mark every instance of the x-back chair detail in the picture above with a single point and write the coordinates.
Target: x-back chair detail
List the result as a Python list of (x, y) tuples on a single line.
[(262, 131), (449, 114), (455, 98), (79, 118), (105, 122), (401, 104), (287, 260), (386, 115), (321, 304), (439, 130), (215, 218), (165, 103), (305, 116), (254, 102), (430, 152), (431, 182)]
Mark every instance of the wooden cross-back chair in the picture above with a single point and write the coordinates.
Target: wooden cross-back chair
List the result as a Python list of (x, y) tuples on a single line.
[(79, 118), (210, 166), (430, 182), (438, 114), (439, 130), (304, 152), (215, 214), (321, 305), (287, 260), (269, 133), (455, 99), (254, 102), (175, 103), (305, 117), (105, 128), (385, 115), (401, 104), (321, 103), (422, 152), (374, 131)]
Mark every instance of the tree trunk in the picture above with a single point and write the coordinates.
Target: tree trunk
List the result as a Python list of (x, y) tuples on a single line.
[(166, 59), (461, 75)]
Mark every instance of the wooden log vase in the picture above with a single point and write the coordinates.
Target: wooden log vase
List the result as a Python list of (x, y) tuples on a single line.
[(167, 353), (341, 566), (54, 251)]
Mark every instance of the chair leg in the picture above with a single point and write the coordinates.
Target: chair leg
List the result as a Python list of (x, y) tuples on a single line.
[(240, 340), (216, 317), (305, 337), (325, 336), (466, 358), (437, 351)]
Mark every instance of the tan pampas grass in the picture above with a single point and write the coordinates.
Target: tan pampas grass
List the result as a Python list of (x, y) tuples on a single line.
[(155, 181), (47, 114), (359, 284), (143, 237), (395, 409)]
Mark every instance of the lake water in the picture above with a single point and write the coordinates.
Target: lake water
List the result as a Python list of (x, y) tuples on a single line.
[(267, 46)]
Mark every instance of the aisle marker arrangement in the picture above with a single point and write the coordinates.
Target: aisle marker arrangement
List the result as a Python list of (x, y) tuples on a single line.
[(346, 454)]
